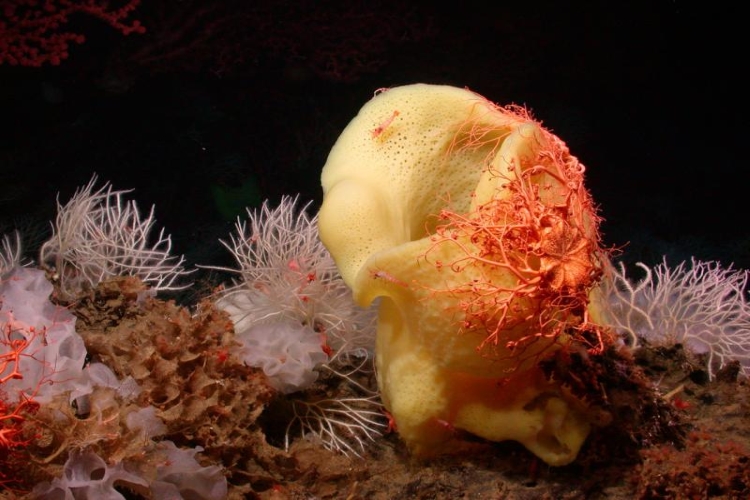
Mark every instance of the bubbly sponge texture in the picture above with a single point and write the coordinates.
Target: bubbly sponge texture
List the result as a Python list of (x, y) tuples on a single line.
[(87, 476), (58, 351), (287, 351), (394, 165)]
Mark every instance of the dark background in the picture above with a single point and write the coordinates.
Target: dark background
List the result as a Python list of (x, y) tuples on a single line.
[(220, 105)]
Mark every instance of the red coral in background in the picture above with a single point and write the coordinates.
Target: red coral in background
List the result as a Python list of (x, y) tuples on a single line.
[(339, 43), (37, 32)]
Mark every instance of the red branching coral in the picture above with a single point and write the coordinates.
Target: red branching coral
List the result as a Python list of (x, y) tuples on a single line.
[(540, 228), (35, 33), (13, 415), (337, 43)]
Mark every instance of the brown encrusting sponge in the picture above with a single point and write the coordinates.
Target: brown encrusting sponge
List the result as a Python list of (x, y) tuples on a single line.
[(178, 363)]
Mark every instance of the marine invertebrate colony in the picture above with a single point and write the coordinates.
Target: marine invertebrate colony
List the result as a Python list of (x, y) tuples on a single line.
[(54, 403), (472, 224), (290, 297), (53, 355), (295, 318), (703, 306), (10, 252), (99, 235)]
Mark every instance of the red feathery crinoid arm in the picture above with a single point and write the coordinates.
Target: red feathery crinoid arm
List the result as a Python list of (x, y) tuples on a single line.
[(531, 252)]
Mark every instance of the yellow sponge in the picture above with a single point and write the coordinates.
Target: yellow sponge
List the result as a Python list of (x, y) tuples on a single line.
[(394, 163), (471, 224)]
